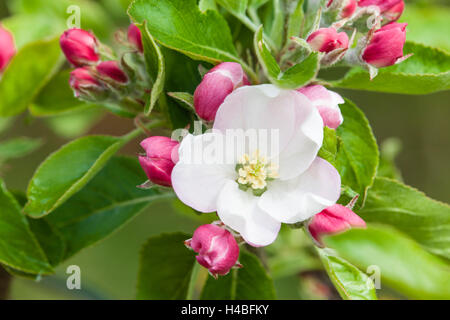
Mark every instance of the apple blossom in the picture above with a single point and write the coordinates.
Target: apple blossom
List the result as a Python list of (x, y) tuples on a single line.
[(7, 48), (112, 70), (256, 187), (217, 249), (385, 47), (80, 47), (332, 220), (327, 102), (135, 37), (327, 40), (219, 82), (161, 156), (383, 5)]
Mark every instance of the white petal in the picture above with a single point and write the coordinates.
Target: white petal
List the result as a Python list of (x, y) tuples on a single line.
[(197, 178), (299, 199), (306, 142), (239, 210), (259, 107)]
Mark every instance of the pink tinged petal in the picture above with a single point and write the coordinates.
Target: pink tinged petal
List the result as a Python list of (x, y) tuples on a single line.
[(7, 48), (239, 210), (80, 47), (198, 181), (135, 37), (327, 40), (304, 144), (386, 45), (112, 70), (326, 102), (216, 85), (332, 220), (299, 199)]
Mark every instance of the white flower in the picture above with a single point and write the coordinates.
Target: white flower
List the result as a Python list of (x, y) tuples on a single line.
[(258, 187)]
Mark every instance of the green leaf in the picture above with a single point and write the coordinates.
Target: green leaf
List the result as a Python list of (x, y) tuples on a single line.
[(425, 220), (294, 77), (277, 30), (165, 268), (185, 98), (68, 170), (105, 204), (248, 283), (18, 147), (156, 67), (57, 97), (350, 282), (329, 148), (28, 72), (427, 71), (402, 263), (295, 19), (357, 157), (181, 26), (18, 246)]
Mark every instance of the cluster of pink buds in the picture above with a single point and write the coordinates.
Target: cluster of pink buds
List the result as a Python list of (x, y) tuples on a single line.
[(7, 48), (381, 46), (217, 249), (96, 76)]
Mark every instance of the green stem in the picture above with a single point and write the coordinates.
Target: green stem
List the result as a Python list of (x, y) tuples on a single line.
[(193, 282), (138, 131)]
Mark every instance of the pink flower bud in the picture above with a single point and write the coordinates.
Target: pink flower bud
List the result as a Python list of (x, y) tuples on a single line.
[(390, 9), (349, 8), (216, 85), (84, 84), (80, 47), (395, 12), (161, 156), (217, 249), (327, 102), (7, 48), (332, 220), (135, 37), (112, 70), (386, 46), (327, 40)]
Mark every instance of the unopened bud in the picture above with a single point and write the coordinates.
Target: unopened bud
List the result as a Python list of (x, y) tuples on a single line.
[(112, 70), (80, 47), (7, 48), (161, 156), (217, 249), (327, 40), (216, 85), (327, 102), (85, 85), (333, 220), (135, 37)]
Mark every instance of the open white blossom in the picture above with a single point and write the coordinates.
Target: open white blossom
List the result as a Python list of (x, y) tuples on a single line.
[(254, 187)]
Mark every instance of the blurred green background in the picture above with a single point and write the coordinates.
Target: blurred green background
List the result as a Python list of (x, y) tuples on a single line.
[(109, 269)]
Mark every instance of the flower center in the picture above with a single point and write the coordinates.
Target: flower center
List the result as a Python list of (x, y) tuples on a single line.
[(254, 172)]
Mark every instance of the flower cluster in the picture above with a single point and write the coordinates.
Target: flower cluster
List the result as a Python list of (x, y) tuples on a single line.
[(98, 75), (382, 40), (253, 188)]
